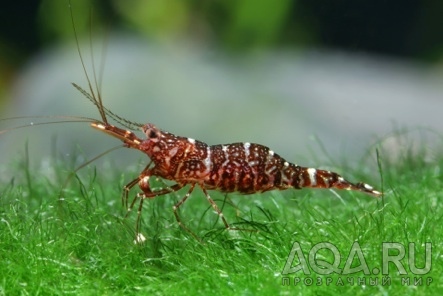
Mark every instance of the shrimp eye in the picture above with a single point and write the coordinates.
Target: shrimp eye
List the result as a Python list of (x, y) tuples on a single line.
[(152, 134)]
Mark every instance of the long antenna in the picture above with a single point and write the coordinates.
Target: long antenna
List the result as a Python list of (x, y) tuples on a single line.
[(126, 123), (92, 97), (95, 96)]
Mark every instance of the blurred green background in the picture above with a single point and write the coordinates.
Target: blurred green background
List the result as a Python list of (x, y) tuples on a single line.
[(409, 29)]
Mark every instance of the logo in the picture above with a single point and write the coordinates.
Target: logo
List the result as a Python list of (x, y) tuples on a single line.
[(325, 259)]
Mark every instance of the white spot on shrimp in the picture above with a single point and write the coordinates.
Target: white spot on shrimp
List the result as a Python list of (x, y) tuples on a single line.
[(225, 150), (98, 125), (173, 151), (368, 187), (246, 147), (191, 140), (271, 152), (270, 170), (145, 181), (286, 164), (208, 159), (312, 176)]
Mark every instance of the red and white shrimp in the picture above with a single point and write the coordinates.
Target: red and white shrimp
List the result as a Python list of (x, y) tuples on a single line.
[(239, 167)]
